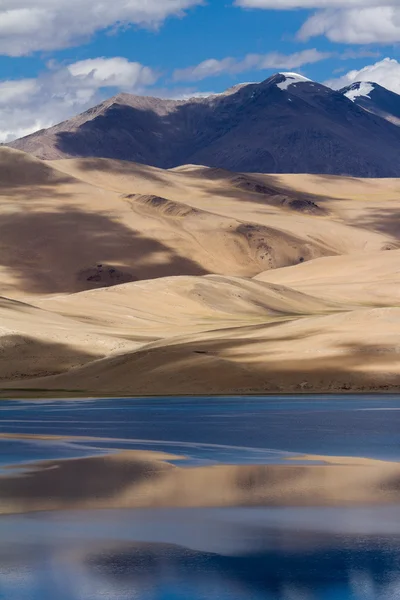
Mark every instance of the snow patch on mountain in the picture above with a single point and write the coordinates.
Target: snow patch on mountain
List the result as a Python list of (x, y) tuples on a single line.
[(362, 88), (290, 79)]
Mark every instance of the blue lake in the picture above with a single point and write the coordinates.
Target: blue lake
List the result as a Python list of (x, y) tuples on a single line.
[(238, 552)]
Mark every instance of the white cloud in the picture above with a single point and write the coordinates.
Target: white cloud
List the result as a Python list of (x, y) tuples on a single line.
[(257, 62), (352, 53), (27, 26), (379, 24), (27, 105), (344, 21), (385, 72), (112, 72), (290, 4), (17, 91), (208, 68)]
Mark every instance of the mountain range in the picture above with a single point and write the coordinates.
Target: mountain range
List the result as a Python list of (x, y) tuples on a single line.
[(285, 124)]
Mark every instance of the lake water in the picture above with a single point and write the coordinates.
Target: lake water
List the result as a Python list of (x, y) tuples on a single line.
[(59, 545)]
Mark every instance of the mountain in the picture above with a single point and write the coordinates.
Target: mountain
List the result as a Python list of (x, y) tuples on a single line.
[(286, 124), (375, 99)]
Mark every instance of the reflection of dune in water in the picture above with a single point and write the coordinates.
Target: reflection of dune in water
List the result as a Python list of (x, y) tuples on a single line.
[(139, 479)]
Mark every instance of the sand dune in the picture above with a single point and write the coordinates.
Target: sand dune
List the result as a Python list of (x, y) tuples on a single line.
[(175, 304), (368, 279), (356, 350), (78, 235), (118, 277), (356, 214), (67, 331)]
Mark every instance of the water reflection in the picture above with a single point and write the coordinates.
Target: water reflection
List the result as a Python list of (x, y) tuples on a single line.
[(240, 520), (310, 567), (132, 479), (352, 569)]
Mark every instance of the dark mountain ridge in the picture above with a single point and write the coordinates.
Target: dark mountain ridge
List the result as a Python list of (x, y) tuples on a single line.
[(375, 99), (286, 124)]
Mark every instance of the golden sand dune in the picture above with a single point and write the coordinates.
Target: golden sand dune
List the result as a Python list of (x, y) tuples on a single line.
[(137, 280), (64, 331), (133, 479), (175, 304), (367, 279), (357, 350), (34, 341), (357, 214), (61, 233)]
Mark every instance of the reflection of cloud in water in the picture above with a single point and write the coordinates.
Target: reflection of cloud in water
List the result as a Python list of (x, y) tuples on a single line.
[(351, 569), (203, 556)]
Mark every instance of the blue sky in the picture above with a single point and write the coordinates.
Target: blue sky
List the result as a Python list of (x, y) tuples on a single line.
[(59, 57)]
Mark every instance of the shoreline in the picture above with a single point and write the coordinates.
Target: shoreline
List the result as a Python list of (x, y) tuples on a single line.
[(50, 395)]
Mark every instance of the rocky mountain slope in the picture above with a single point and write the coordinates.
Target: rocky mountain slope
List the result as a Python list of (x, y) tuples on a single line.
[(286, 124), (375, 99)]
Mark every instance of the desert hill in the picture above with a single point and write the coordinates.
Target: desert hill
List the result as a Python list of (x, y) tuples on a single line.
[(285, 124), (116, 277), (77, 235)]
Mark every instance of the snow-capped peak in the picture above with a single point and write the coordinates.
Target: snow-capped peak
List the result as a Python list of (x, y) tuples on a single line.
[(291, 78), (360, 88)]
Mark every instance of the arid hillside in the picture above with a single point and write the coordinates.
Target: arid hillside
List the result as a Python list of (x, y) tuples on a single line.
[(119, 278)]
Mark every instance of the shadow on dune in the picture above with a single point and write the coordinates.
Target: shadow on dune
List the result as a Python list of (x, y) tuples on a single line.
[(66, 250), (10, 304), (227, 365), (384, 220), (24, 357), (23, 175), (120, 167), (260, 189), (218, 367)]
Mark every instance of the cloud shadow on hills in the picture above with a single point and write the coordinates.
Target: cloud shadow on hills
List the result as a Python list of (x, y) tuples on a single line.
[(31, 178), (24, 357), (50, 252), (385, 220), (271, 192), (186, 365), (120, 167)]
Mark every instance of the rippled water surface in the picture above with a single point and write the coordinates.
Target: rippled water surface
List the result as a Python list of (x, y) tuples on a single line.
[(97, 524)]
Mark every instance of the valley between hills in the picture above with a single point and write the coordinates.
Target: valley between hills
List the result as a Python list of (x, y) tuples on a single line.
[(123, 279)]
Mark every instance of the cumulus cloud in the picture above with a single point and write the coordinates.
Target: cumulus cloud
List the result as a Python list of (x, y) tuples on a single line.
[(385, 72), (379, 25), (257, 62), (344, 21), (27, 105), (112, 72), (17, 91), (290, 4), (27, 26)]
